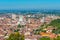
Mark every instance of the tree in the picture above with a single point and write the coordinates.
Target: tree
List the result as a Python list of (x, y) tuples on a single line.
[(16, 36), (56, 31), (44, 38), (19, 26), (55, 23), (58, 38), (16, 30)]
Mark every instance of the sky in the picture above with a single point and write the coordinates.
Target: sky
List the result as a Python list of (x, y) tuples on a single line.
[(29, 4)]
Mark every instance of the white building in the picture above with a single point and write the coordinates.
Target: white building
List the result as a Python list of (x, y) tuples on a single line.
[(43, 20), (22, 20), (14, 16)]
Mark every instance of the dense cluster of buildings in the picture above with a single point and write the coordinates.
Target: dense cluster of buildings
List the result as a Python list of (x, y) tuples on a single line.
[(9, 24)]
